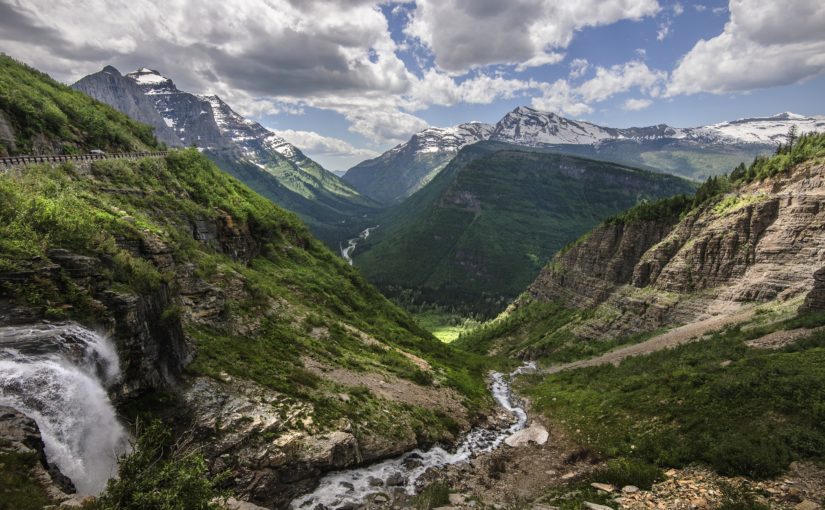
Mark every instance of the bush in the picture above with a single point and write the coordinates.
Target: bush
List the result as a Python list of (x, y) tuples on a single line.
[(621, 472), (160, 475)]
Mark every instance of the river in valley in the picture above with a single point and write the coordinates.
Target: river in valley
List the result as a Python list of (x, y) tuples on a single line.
[(351, 488), (347, 251), (57, 374)]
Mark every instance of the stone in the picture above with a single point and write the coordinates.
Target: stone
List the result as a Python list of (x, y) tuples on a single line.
[(375, 482), (457, 499), (630, 489), (808, 505), (595, 506), (602, 487), (535, 433), (237, 504), (568, 476), (395, 480)]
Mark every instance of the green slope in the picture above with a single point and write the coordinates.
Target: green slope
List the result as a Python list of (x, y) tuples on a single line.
[(331, 208), (480, 232), (242, 280), (41, 116)]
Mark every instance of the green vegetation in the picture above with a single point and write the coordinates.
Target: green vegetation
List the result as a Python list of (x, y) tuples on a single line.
[(743, 411), (806, 147), (479, 233), (622, 471), (441, 323), (302, 299), (19, 489), (160, 474), (433, 496), (541, 331), (48, 117), (331, 209)]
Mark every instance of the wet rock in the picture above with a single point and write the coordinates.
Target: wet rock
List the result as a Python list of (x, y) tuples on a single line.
[(375, 482), (19, 433), (348, 486), (395, 480)]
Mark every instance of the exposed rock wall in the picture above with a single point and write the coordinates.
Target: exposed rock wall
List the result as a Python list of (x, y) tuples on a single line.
[(765, 241)]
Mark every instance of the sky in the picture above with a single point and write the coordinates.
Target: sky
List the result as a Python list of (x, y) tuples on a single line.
[(345, 80)]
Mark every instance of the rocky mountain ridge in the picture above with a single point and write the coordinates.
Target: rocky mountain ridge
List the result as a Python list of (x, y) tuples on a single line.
[(426, 153), (246, 149)]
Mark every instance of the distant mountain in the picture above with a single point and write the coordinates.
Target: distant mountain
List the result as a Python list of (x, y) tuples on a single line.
[(110, 87), (403, 170), (269, 164), (481, 230), (690, 152)]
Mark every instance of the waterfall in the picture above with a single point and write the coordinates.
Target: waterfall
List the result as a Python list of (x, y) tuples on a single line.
[(57, 374)]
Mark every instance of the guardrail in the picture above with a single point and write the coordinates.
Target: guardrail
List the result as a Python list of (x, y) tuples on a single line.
[(24, 160)]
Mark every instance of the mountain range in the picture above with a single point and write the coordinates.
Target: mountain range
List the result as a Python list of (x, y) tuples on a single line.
[(244, 148), (480, 231), (690, 152)]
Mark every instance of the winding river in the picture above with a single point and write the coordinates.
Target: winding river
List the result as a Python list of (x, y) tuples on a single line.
[(347, 250), (352, 487)]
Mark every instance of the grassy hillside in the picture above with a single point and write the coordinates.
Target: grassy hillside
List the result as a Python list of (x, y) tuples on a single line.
[(332, 210), (292, 288), (479, 233), (41, 116), (737, 406)]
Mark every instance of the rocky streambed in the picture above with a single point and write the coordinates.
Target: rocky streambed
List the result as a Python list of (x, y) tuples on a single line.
[(398, 476)]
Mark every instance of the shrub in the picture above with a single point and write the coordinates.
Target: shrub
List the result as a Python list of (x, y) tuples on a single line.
[(623, 471), (160, 475)]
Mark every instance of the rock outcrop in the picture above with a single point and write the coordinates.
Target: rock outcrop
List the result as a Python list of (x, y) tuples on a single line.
[(761, 243), (20, 434)]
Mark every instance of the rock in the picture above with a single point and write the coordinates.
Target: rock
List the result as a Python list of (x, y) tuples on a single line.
[(699, 503), (395, 480), (568, 476), (375, 482), (77, 502), (603, 487), (236, 504), (594, 506), (535, 433), (630, 489), (457, 499), (725, 363), (348, 486), (808, 505), (542, 506)]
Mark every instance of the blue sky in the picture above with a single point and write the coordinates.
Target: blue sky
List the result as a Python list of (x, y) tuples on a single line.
[(347, 79)]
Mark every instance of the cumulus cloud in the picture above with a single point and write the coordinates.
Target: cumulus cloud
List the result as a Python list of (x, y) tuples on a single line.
[(333, 153), (465, 34), (608, 82), (635, 104), (764, 44), (578, 67)]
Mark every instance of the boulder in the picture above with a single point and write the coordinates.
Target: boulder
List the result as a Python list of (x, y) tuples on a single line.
[(535, 433)]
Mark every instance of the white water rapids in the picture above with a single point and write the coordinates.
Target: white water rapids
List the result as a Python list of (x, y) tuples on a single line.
[(57, 374), (346, 251), (351, 488)]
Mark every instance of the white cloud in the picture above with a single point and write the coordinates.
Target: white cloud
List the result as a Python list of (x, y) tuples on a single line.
[(578, 67), (564, 98), (764, 44), (700, 7), (663, 31), (560, 97), (317, 143), (635, 104), (464, 34), (622, 78)]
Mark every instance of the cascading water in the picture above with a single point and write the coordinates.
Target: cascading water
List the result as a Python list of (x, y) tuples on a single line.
[(57, 374), (352, 487)]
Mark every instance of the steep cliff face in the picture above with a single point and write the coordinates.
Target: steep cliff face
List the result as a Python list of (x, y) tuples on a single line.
[(762, 242)]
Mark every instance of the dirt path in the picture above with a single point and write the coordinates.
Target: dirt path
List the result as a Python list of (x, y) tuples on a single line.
[(678, 336)]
